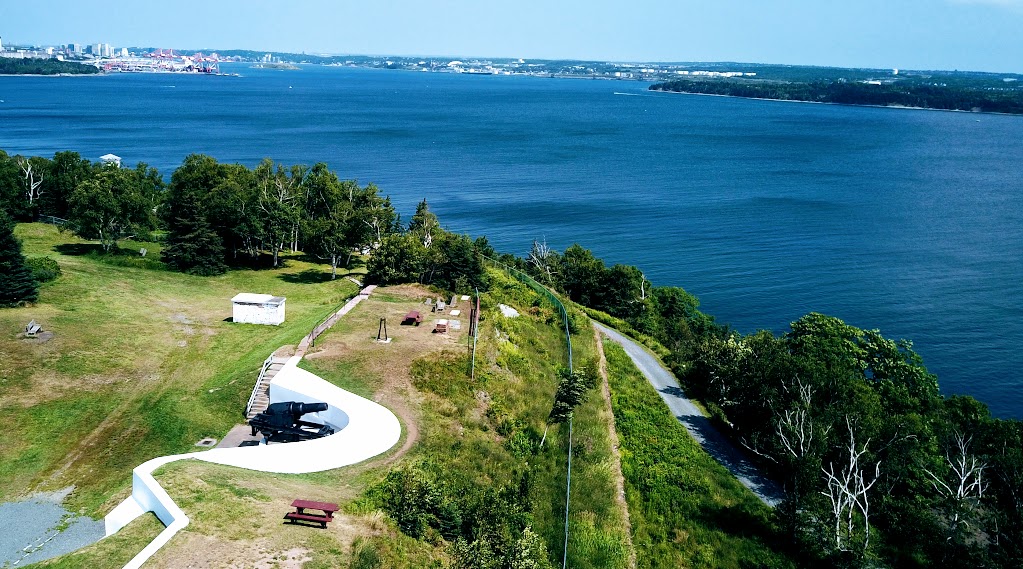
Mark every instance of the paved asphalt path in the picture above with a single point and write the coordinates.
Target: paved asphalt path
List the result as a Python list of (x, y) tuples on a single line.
[(29, 530), (695, 422)]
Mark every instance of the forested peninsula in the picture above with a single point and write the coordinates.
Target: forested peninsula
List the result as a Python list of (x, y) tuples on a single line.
[(31, 66), (879, 468), (916, 94)]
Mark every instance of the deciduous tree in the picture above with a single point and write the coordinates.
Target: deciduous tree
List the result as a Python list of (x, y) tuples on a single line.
[(115, 204)]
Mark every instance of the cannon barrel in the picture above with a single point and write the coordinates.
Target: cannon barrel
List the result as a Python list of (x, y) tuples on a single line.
[(294, 408), (303, 408), (283, 422)]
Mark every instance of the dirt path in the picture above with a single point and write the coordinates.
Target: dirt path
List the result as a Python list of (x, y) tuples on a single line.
[(616, 465), (695, 422), (399, 407)]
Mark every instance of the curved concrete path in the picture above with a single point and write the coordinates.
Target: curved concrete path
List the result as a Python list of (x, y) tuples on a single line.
[(694, 421), (364, 430)]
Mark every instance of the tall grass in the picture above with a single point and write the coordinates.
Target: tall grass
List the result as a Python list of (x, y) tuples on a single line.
[(686, 509)]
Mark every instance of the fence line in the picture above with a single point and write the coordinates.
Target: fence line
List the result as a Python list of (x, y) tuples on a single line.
[(541, 289), (474, 326), (328, 320), (52, 220)]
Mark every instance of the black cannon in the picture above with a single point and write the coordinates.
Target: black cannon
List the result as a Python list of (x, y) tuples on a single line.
[(282, 422)]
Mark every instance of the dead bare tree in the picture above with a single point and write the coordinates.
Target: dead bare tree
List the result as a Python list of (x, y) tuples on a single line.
[(375, 224), (795, 426), (542, 257), (847, 489), (32, 185), (964, 486)]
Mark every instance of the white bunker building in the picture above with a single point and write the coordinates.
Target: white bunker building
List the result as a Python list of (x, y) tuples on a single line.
[(252, 308)]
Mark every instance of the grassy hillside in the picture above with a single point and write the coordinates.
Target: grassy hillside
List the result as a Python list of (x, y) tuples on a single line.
[(142, 363)]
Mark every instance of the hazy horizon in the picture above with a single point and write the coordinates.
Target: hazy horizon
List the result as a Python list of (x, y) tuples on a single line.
[(968, 35)]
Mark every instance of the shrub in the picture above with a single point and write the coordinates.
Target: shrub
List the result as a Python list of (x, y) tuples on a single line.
[(44, 269)]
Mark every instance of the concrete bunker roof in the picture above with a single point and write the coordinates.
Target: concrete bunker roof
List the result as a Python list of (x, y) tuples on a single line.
[(252, 298)]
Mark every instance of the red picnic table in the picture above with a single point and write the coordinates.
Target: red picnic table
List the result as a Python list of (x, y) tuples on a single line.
[(300, 506), (413, 317)]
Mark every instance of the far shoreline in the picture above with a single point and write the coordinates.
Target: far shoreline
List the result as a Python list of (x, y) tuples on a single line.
[(897, 107)]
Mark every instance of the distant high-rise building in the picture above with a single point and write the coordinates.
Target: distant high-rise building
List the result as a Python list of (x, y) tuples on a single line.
[(1, 43)]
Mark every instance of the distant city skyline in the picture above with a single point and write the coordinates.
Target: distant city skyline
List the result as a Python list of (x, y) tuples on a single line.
[(980, 35)]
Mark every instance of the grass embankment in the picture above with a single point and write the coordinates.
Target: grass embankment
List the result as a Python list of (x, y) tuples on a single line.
[(479, 439), (519, 358), (686, 509), (141, 364)]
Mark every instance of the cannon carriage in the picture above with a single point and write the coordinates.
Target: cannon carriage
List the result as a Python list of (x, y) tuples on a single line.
[(282, 422)]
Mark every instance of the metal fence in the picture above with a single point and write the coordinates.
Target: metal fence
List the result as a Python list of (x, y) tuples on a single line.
[(542, 291), (58, 221), (328, 320), (554, 300)]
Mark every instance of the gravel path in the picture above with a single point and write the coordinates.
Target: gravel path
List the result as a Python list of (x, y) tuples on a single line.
[(695, 422), (30, 531)]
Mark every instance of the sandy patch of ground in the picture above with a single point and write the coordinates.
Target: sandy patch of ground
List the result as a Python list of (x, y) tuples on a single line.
[(354, 339)]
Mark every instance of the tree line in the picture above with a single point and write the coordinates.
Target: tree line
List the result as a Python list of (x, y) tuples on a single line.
[(879, 469), (902, 93), (34, 66), (212, 217)]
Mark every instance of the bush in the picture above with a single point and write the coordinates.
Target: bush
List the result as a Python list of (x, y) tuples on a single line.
[(44, 269)]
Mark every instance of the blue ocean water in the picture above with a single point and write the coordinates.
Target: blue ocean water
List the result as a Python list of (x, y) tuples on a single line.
[(902, 220)]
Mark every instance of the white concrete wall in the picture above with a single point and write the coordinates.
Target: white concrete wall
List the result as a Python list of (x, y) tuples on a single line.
[(364, 430), (258, 314), (148, 496)]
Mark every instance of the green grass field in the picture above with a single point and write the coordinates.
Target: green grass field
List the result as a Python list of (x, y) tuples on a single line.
[(142, 363)]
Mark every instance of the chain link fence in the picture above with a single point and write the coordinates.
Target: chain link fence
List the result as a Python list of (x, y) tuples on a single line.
[(545, 292)]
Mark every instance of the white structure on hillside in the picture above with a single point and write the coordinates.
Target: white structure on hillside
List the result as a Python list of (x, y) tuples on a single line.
[(111, 159), (252, 308)]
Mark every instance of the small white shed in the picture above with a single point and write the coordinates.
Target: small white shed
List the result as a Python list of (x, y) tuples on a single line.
[(249, 308)]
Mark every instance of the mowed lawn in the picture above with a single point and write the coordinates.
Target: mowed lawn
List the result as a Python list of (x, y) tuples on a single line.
[(143, 362)]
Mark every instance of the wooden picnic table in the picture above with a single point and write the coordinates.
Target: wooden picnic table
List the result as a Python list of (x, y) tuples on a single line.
[(300, 513), (413, 317)]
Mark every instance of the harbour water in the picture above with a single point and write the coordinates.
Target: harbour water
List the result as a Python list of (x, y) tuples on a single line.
[(903, 220)]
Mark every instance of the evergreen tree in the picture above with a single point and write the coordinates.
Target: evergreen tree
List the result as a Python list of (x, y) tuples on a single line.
[(424, 224), (192, 245), (16, 282)]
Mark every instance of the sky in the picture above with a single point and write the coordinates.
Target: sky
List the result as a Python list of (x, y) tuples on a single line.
[(979, 35)]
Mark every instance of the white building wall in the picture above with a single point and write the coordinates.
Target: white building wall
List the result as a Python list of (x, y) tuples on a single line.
[(259, 313)]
